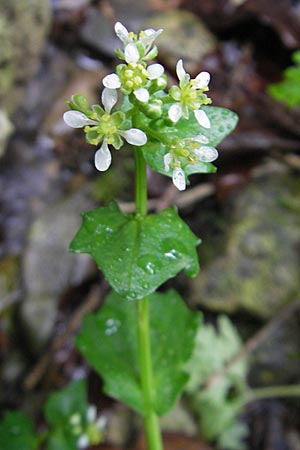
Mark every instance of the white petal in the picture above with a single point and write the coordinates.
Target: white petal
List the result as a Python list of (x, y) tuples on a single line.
[(109, 98), (111, 81), (149, 36), (181, 73), (77, 119), (83, 442), (175, 112), (155, 71), (91, 413), (167, 161), (202, 118), (179, 179), (142, 95), (122, 33), (131, 53), (206, 154), (203, 79), (201, 139), (103, 158), (135, 136)]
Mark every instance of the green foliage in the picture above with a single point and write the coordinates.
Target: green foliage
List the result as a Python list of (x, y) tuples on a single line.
[(223, 121), (137, 254), (219, 403), (69, 418), (288, 90), (17, 433), (109, 342), (59, 410)]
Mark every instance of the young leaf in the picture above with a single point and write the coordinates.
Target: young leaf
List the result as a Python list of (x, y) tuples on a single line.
[(116, 358), (137, 254), (16, 432)]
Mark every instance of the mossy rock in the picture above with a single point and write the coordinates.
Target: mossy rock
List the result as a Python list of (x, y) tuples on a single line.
[(259, 269), (23, 28)]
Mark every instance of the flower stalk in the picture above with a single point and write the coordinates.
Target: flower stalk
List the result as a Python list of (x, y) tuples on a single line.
[(151, 421)]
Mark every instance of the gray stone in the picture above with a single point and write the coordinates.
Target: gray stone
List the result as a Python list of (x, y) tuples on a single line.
[(259, 270), (23, 28), (185, 36), (48, 266)]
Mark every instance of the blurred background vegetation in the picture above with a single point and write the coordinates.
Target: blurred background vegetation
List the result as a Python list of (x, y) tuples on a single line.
[(247, 214)]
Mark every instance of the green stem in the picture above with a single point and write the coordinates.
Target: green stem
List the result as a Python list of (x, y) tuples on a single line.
[(151, 421), (274, 391), (156, 135)]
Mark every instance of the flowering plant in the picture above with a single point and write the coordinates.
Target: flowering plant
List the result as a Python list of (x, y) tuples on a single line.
[(141, 355)]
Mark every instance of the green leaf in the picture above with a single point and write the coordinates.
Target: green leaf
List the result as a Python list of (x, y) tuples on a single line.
[(108, 340), (137, 254), (59, 409), (62, 404), (223, 121), (16, 432), (287, 91)]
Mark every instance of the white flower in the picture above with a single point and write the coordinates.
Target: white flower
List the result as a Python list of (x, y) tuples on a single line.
[(107, 131), (187, 152), (135, 77), (189, 96), (146, 37)]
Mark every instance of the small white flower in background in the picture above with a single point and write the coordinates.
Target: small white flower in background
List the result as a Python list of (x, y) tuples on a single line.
[(188, 151), (189, 95), (106, 127), (91, 430), (83, 442)]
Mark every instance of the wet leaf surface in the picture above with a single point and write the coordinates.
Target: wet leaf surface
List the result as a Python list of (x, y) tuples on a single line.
[(137, 254), (115, 327)]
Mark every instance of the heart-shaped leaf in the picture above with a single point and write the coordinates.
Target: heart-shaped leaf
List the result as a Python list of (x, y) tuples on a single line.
[(137, 254), (108, 340)]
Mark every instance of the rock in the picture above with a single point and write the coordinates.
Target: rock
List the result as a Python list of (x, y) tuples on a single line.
[(179, 420), (259, 270), (276, 361), (98, 31), (49, 268), (23, 28), (185, 36), (6, 129)]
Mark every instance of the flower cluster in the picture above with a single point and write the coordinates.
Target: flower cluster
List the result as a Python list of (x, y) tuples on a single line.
[(146, 108), (88, 430), (191, 151)]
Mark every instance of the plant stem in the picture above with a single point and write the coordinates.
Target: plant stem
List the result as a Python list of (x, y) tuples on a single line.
[(151, 421), (274, 391), (140, 183)]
